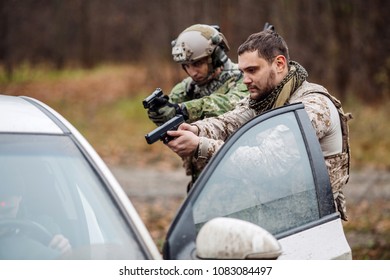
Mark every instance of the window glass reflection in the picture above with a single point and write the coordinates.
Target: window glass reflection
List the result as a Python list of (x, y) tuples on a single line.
[(59, 191), (265, 178)]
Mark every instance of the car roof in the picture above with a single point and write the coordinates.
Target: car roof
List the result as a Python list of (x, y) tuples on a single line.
[(23, 115)]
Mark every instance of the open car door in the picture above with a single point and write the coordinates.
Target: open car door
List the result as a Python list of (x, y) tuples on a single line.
[(271, 174)]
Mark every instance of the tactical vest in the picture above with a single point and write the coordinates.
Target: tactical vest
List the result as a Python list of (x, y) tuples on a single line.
[(338, 165)]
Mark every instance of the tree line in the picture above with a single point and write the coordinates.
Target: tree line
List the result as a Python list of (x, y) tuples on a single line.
[(343, 44)]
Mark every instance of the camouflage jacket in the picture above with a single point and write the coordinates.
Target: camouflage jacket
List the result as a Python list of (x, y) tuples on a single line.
[(212, 99), (214, 131)]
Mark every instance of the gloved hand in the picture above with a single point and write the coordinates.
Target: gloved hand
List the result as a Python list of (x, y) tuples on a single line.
[(163, 114)]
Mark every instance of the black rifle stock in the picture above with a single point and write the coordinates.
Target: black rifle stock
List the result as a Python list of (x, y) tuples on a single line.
[(160, 133)]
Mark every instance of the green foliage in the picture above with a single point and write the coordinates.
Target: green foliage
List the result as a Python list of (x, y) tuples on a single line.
[(26, 73), (132, 109), (116, 130)]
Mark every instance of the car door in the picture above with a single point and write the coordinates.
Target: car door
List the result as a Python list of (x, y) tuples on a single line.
[(271, 173)]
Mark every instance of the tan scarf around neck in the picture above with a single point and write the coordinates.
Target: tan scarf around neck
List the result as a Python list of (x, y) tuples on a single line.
[(282, 92)]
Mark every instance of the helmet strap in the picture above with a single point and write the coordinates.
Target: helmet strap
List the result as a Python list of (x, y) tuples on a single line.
[(211, 69)]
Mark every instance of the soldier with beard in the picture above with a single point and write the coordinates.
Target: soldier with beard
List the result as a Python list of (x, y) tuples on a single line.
[(273, 80)]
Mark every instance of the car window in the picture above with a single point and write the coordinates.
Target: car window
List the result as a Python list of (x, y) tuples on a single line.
[(264, 178), (61, 191)]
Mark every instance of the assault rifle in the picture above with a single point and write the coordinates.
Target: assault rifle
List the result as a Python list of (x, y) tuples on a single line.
[(160, 133)]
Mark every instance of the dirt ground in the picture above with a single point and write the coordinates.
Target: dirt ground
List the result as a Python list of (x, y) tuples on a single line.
[(157, 196)]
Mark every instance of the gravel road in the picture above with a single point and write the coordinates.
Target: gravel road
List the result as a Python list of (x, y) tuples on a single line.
[(150, 182), (366, 184)]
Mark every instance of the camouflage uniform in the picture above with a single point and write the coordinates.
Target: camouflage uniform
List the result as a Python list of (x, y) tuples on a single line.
[(212, 99), (214, 131), (223, 87)]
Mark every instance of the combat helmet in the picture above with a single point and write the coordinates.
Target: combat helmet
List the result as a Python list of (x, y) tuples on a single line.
[(199, 41)]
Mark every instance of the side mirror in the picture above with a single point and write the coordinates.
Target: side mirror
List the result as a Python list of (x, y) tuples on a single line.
[(228, 238)]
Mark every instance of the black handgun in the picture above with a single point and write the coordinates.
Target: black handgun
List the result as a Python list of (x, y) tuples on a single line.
[(160, 133), (155, 100)]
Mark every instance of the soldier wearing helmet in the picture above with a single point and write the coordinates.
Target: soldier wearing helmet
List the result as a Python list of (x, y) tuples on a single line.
[(201, 43), (214, 83)]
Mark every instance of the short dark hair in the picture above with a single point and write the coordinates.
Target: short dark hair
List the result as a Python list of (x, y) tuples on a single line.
[(267, 43)]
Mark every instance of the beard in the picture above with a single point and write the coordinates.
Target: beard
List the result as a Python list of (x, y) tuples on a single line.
[(260, 93)]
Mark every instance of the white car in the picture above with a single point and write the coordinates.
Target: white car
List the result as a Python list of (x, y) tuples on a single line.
[(52, 183)]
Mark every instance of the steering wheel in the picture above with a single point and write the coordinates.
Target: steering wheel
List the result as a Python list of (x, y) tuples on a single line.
[(33, 229)]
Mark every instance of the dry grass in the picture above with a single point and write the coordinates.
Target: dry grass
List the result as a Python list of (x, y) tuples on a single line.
[(368, 231), (369, 134), (107, 101), (105, 105)]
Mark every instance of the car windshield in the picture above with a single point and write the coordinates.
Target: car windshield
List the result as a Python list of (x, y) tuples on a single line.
[(265, 178), (54, 187)]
